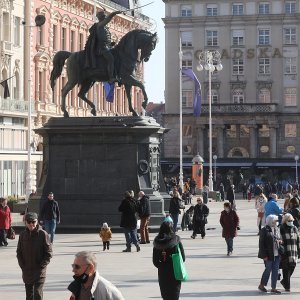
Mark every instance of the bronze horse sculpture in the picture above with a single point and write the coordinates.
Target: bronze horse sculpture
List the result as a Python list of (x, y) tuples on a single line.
[(126, 56)]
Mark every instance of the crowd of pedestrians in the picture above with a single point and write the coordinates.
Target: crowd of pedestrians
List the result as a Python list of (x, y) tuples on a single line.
[(278, 246)]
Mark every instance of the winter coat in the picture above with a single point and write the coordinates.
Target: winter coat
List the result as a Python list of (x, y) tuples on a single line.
[(175, 206), (291, 243), (266, 242), (272, 208), (101, 289), (105, 234), (128, 208), (229, 222), (295, 212), (230, 196), (144, 207), (200, 214), (163, 248), (50, 211), (34, 252), (5, 217)]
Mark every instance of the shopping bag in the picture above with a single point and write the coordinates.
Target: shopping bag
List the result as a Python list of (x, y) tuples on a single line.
[(11, 235), (178, 265)]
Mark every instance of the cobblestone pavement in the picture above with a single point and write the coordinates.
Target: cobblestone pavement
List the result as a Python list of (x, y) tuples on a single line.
[(213, 275)]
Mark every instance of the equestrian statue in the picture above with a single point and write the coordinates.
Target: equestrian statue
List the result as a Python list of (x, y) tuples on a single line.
[(102, 61)]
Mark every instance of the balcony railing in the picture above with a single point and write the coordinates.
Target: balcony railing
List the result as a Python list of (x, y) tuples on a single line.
[(14, 105), (240, 108)]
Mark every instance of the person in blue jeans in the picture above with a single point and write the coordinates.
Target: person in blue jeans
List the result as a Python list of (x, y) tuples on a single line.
[(174, 209), (50, 216), (269, 241)]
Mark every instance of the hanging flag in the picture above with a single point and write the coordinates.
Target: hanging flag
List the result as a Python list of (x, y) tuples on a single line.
[(6, 89), (109, 91), (197, 98)]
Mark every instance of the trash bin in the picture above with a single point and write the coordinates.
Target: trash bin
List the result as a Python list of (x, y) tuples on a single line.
[(218, 196)]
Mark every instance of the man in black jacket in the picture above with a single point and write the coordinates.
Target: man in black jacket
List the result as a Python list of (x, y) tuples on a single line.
[(144, 214), (34, 253), (50, 215), (129, 209)]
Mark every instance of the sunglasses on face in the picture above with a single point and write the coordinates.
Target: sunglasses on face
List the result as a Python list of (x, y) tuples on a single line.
[(77, 267), (31, 221)]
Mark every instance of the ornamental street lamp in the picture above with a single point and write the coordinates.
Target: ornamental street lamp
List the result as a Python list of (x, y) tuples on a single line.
[(296, 160), (211, 59)]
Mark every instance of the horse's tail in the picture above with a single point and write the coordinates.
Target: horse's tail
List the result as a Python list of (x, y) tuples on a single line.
[(58, 64)]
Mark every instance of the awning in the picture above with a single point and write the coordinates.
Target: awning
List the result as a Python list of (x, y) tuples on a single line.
[(20, 156), (230, 164), (275, 164)]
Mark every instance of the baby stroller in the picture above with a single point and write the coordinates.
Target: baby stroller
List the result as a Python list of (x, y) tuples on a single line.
[(187, 219)]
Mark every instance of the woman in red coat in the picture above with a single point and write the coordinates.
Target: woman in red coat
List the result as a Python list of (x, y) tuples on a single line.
[(229, 221), (5, 221)]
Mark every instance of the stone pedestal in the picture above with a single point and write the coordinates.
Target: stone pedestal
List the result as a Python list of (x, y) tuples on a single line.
[(89, 163)]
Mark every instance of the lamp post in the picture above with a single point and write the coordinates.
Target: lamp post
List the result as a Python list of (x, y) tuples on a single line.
[(215, 157), (212, 62), (296, 160), (180, 117)]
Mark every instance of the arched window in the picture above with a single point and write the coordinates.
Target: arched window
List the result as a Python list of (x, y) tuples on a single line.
[(264, 96), (3, 77), (238, 96)]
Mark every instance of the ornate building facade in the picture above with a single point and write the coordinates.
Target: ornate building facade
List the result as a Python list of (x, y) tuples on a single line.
[(26, 54), (255, 98)]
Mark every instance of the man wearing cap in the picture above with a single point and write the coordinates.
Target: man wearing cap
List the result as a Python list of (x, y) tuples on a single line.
[(34, 252)]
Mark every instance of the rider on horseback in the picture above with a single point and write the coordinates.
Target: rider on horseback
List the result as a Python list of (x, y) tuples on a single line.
[(99, 43)]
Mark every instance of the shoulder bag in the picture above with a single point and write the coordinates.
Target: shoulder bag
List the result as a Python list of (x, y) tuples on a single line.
[(180, 272), (11, 235)]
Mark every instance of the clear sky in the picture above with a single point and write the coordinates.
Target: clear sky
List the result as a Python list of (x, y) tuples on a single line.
[(155, 67)]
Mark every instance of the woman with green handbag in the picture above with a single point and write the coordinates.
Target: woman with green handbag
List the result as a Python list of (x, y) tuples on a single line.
[(165, 244)]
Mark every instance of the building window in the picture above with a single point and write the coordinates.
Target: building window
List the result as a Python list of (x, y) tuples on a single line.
[(263, 8), (40, 35), (290, 36), (186, 39), (5, 27), (238, 96), (290, 130), (72, 41), (290, 7), (264, 131), (186, 10), (290, 96), (63, 38), (211, 10), (264, 66), (238, 37), (214, 97), (80, 41), (238, 66), (54, 37), (187, 63), (231, 131), (264, 36), (187, 130), (17, 27), (17, 86), (237, 9), (211, 38), (264, 96), (290, 65), (187, 98)]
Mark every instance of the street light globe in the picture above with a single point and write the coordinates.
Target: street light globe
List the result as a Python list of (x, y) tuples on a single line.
[(199, 68), (296, 157), (215, 157), (219, 67), (207, 66)]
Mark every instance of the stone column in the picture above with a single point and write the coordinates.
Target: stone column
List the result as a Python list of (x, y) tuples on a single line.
[(253, 141), (273, 141), (200, 139), (220, 141)]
